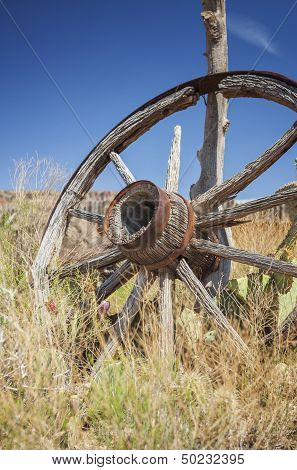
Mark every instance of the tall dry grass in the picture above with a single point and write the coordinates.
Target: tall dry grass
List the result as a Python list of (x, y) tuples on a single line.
[(214, 398), (258, 236)]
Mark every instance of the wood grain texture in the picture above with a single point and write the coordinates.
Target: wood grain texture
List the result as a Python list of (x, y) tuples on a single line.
[(166, 277), (206, 302), (265, 263), (115, 280), (211, 155), (166, 305), (122, 169), (89, 216), (120, 328), (254, 86), (245, 209), (172, 178), (108, 258), (227, 189)]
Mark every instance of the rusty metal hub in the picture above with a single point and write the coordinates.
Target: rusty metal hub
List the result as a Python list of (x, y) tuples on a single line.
[(150, 225)]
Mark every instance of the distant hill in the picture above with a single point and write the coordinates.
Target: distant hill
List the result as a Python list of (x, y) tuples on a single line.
[(82, 237)]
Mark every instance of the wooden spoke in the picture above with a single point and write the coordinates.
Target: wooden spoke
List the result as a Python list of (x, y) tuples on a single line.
[(122, 275), (218, 194), (224, 224), (172, 178), (289, 324), (265, 263), (166, 303), (229, 215), (120, 328), (108, 258), (166, 277), (123, 170), (186, 274), (89, 216)]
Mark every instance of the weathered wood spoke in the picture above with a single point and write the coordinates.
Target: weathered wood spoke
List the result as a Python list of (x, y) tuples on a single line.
[(166, 302), (186, 274), (218, 194), (120, 328), (172, 177), (123, 170), (108, 258), (265, 263), (89, 216), (166, 277), (229, 215), (288, 325), (122, 275)]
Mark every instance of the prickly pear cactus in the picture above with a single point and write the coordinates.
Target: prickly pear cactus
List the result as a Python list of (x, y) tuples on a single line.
[(275, 295)]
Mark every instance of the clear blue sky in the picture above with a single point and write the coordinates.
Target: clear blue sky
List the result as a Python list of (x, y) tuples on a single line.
[(108, 57)]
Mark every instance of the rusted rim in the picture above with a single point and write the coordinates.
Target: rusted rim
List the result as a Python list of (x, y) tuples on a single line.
[(185, 241), (156, 225)]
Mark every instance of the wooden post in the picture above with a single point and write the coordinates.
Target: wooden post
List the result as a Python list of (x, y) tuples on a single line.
[(211, 155)]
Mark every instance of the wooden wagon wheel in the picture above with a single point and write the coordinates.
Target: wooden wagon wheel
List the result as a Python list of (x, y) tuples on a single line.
[(158, 230)]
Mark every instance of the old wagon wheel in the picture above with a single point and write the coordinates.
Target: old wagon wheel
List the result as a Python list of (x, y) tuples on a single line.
[(158, 230)]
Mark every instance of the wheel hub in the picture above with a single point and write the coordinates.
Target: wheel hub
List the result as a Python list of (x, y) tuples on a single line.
[(150, 225)]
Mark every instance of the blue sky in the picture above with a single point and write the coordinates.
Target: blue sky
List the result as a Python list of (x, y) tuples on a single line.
[(110, 57)]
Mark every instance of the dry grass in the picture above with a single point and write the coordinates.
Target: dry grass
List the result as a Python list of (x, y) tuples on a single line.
[(213, 399), (258, 236)]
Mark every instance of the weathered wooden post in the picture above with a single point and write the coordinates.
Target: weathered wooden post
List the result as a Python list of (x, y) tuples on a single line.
[(211, 155)]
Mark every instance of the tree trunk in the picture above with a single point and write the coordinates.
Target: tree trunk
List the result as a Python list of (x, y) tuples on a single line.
[(211, 156)]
